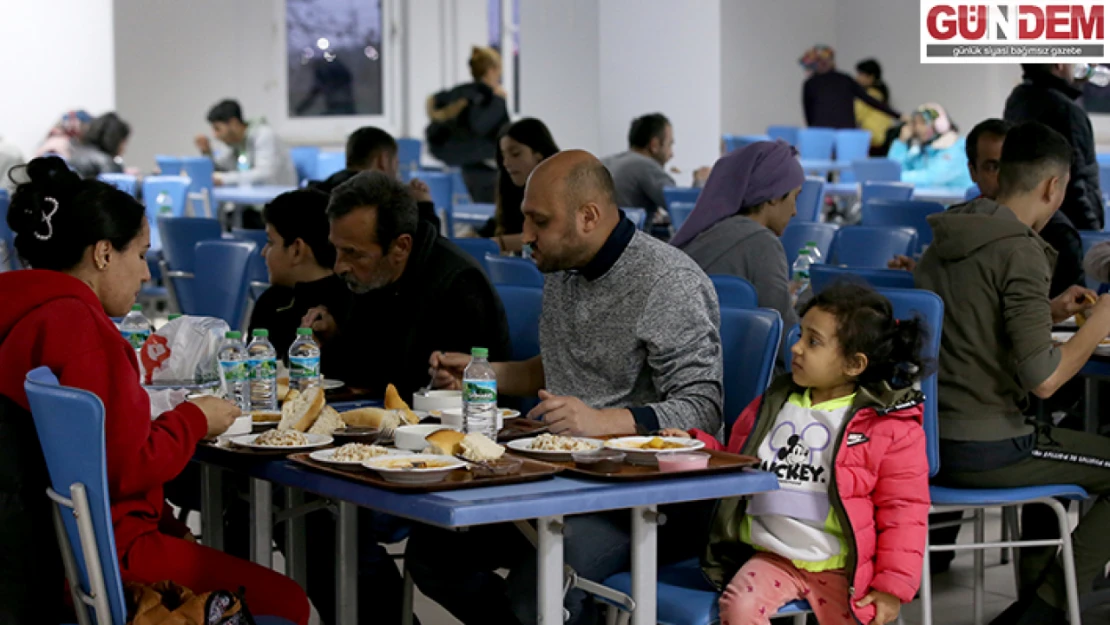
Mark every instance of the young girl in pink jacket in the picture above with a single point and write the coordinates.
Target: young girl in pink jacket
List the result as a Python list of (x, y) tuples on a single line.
[(846, 529)]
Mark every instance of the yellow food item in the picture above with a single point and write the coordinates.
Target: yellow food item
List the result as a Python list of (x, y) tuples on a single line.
[(408, 463), (393, 401), (446, 442)]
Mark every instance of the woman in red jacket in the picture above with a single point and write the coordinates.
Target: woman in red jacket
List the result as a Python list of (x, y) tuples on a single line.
[(846, 529), (86, 243)]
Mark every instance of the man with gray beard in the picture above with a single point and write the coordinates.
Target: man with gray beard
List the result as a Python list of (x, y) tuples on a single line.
[(414, 292)]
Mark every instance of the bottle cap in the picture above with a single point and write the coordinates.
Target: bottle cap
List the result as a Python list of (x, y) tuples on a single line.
[(137, 307), (175, 316), (479, 352), (811, 243), (261, 332), (304, 331), (803, 250), (233, 334)]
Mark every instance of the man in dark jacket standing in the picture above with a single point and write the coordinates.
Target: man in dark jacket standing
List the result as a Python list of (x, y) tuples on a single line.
[(829, 96), (1047, 94)]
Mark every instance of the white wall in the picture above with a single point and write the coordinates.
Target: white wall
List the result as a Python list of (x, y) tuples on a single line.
[(57, 56)]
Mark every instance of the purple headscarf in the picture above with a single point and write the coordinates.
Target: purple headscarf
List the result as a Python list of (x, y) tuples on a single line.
[(762, 171)]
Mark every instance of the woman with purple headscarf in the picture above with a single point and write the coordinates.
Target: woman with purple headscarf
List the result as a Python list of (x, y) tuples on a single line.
[(740, 215)]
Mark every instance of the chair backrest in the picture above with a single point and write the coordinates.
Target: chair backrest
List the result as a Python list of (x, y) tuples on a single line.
[(8, 257), (877, 170), (637, 216), (256, 270), (811, 199), (523, 305), (871, 246), (513, 271), (735, 142), (460, 194), (479, 249), (680, 212), (124, 182), (171, 191), (822, 275), (200, 171), (912, 213), (816, 143), (305, 158), (408, 153), (70, 426), (680, 194), (874, 190), (788, 134), (798, 233), (180, 236), (1104, 176), (852, 145), (221, 280), (328, 163), (907, 304), (749, 344), (734, 292), (972, 193), (169, 165), (441, 186), (792, 336)]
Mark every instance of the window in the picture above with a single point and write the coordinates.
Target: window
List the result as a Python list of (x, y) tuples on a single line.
[(506, 33), (334, 55)]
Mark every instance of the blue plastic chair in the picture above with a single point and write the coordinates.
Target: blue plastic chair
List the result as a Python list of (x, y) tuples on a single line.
[(788, 134), (810, 200), (901, 191), (792, 336), (258, 275), (523, 305), (734, 292), (1104, 175), (798, 233), (408, 153), (479, 249), (328, 163), (441, 186), (200, 171), (851, 145), (822, 275), (910, 213), (180, 236), (972, 193), (222, 280), (459, 193), (169, 165), (680, 194), (513, 271), (157, 190), (877, 170), (305, 158), (871, 246), (735, 142), (637, 216), (816, 143), (680, 212), (8, 258), (124, 182)]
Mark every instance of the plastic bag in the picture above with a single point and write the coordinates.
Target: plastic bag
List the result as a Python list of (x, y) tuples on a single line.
[(184, 350), (165, 400)]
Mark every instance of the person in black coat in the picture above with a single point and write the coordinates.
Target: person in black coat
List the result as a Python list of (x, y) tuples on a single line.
[(829, 96), (1047, 94)]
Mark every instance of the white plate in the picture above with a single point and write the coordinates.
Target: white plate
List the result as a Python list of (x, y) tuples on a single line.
[(326, 456), (314, 441), (524, 446), (649, 457), (414, 476), (329, 385)]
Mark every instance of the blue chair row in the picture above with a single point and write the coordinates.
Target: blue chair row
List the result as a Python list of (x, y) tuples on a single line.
[(875, 190), (179, 241), (304, 159), (199, 171), (822, 276), (479, 249), (810, 200), (877, 170), (913, 214), (680, 194), (852, 246), (513, 271), (258, 276)]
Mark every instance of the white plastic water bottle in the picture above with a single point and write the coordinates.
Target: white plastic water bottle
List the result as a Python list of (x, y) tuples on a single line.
[(243, 165), (800, 272), (136, 329), (262, 360), (304, 361), (235, 370), (480, 395), (814, 253), (1097, 75)]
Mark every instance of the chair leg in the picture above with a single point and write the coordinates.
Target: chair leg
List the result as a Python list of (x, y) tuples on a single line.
[(1011, 518), (612, 615), (979, 565), (799, 619), (406, 597), (926, 593), (1006, 534), (1068, 560)]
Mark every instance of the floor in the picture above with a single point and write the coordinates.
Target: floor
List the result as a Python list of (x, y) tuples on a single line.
[(952, 591)]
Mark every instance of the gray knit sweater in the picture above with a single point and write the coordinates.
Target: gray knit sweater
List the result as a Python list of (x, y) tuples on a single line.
[(645, 333)]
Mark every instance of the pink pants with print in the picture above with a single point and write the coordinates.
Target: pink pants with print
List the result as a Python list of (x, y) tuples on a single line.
[(768, 581)]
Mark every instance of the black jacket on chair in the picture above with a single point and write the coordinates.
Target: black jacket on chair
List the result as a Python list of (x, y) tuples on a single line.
[(1050, 100)]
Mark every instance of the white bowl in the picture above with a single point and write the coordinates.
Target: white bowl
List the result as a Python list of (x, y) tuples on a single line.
[(241, 425), (436, 400), (453, 417), (634, 454), (414, 476), (411, 437)]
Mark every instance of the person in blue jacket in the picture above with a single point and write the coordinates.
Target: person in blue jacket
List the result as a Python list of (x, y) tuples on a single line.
[(931, 151)]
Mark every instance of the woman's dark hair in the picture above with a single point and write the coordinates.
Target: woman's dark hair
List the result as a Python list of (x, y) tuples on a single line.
[(303, 214), (56, 215), (872, 68), (107, 133), (865, 324), (532, 133)]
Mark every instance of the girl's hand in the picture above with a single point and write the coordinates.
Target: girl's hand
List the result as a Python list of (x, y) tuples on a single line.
[(674, 433), (886, 606)]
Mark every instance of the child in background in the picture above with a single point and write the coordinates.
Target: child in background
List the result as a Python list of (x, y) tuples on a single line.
[(843, 432)]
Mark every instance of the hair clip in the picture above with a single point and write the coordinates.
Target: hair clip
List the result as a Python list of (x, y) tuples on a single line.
[(47, 217)]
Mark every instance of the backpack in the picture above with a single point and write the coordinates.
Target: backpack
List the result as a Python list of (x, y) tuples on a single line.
[(167, 603)]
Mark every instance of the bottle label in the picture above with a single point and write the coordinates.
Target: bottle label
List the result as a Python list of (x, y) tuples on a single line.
[(263, 369), (480, 391), (304, 367), (136, 337), (235, 370), (800, 275)]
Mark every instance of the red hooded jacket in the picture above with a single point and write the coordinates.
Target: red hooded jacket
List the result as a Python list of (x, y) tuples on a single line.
[(53, 319)]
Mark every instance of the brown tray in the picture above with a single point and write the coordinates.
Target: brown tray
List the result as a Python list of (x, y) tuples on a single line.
[(521, 427), (719, 462), (530, 471), (250, 452)]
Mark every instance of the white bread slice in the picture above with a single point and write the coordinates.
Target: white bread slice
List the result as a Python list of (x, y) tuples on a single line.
[(373, 418), (300, 412), (445, 442), (328, 422), (478, 448)]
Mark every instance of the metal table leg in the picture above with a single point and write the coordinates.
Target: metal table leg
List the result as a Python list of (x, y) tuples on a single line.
[(346, 572), (295, 535), (262, 523), (212, 506), (645, 565), (550, 575)]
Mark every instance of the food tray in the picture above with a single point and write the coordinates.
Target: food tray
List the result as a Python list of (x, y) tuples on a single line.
[(530, 471), (719, 462)]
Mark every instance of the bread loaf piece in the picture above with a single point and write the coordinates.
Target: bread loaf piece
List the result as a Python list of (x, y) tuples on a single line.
[(373, 418), (393, 401), (301, 412), (477, 448), (445, 442), (328, 422)]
